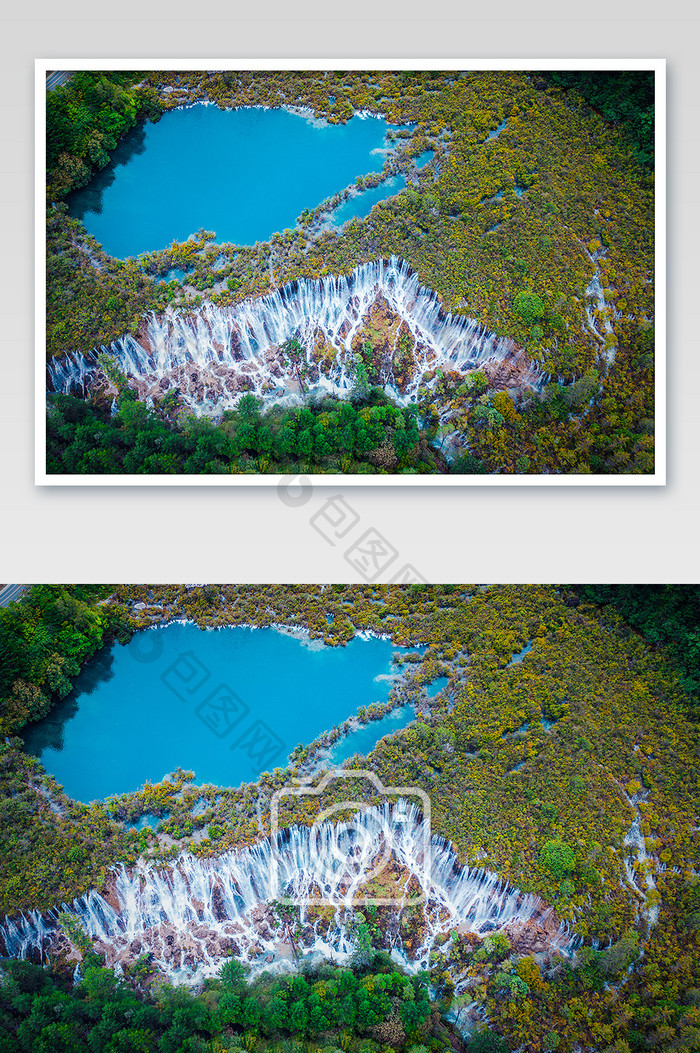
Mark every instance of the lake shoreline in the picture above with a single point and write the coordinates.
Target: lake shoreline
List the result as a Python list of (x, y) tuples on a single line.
[(109, 184), (307, 758)]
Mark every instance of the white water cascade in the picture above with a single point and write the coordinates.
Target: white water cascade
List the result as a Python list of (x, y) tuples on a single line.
[(189, 916), (596, 302), (214, 354), (635, 844)]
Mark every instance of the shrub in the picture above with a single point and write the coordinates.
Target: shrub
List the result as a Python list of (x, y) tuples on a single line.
[(528, 307), (558, 858)]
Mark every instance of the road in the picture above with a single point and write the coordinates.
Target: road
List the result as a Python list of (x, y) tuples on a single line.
[(55, 79), (10, 594)]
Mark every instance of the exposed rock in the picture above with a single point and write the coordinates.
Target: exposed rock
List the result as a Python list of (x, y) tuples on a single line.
[(217, 903), (323, 351), (514, 371), (380, 329), (528, 937)]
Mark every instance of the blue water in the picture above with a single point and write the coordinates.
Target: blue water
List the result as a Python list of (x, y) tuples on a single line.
[(366, 738), (242, 173), (148, 820), (362, 204), (521, 654), (425, 158), (498, 196), (496, 132), (175, 274), (436, 686), (228, 703)]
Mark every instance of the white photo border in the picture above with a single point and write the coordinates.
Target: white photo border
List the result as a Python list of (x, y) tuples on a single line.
[(658, 66)]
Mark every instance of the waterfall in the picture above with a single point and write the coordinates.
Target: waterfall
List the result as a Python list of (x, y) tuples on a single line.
[(214, 354), (595, 301), (635, 844), (194, 913)]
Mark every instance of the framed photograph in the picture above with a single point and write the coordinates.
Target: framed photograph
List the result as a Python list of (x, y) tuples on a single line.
[(450, 274), (234, 814)]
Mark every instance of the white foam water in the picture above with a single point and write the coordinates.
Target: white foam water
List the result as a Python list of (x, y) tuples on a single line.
[(214, 354), (189, 916)]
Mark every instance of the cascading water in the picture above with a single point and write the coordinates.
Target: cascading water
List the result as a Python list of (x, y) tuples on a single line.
[(635, 844), (597, 307), (214, 354), (189, 916)]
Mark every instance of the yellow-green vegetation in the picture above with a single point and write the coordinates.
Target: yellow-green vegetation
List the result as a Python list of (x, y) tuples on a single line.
[(530, 194), (51, 847), (600, 1005), (559, 726)]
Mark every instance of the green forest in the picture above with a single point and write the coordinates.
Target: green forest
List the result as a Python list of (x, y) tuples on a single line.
[(507, 228), (360, 1010), (369, 437), (535, 768)]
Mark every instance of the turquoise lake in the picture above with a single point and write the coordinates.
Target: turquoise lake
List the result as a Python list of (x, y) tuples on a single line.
[(244, 174), (362, 204), (228, 703), (365, 738), (436, 686)]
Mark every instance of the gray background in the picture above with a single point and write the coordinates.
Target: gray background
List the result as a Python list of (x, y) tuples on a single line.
[(249, 534)]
